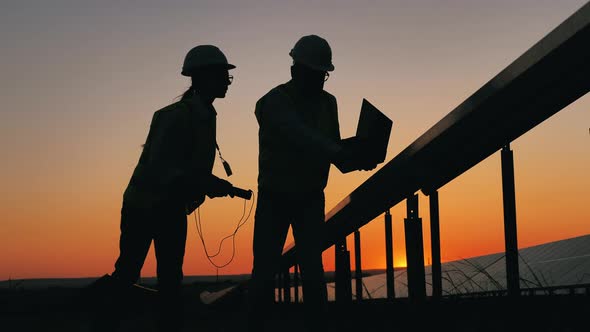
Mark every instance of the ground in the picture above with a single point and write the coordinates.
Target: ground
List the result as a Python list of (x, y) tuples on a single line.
[(61, 309)]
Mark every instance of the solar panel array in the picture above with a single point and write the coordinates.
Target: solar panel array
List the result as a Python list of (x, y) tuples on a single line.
[(560, 263)]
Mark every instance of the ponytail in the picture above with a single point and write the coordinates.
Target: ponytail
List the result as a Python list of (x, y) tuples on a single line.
[(191, 89), (188, 93)]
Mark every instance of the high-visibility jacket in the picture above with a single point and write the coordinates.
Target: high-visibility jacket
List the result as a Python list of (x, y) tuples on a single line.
[(298, 135), (176, 163)]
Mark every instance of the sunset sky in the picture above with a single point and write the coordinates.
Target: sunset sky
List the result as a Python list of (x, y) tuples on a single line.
[(81, 79)]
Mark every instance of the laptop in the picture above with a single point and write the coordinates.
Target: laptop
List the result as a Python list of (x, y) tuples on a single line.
[(372, 137)]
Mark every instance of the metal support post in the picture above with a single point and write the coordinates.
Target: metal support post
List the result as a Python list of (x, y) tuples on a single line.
[(510, 237), (286, 286), (296, 282), (389, 256), (279, 285), (358, 271), (343, 275), (414, 251), (435, 246)]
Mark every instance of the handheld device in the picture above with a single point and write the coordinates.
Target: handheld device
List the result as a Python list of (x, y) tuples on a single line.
[(242, 193), (235, 192)]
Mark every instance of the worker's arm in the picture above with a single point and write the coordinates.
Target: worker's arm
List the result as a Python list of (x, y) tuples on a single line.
[(172, 171)]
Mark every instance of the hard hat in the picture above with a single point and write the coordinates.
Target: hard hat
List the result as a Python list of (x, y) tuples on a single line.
[(204, 55), (314, 52)]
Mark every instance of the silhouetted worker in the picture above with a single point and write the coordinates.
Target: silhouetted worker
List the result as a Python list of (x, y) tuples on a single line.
[(299, 138), (172, 177)]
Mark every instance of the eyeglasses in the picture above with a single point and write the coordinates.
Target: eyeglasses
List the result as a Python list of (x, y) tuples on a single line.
[(230, 79), (327, 76)]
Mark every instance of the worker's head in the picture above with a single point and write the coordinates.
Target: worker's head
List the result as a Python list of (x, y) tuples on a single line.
[(208, 69), (312, 61)]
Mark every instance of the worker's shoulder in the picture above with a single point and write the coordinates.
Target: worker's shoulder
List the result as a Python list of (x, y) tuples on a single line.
[(173, 109), (275, 97), (276, 93), (284, 93), (171, 115), (328, 96)]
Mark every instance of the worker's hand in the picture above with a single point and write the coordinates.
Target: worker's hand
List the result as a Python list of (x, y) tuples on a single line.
[(364, 155), (343, 156), (367, 167), (221, 188), (355, 154)]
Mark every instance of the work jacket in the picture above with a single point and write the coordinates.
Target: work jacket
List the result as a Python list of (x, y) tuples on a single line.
[(298, 135), (176, 163)]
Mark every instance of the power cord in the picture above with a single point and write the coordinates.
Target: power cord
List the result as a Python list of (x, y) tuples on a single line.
[(241, 222)]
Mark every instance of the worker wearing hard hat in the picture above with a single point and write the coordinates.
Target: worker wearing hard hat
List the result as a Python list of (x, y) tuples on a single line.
[(299, 138), (174, 171)]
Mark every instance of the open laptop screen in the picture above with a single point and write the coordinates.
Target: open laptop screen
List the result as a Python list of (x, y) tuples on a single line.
[(372, 131), (375, 127)]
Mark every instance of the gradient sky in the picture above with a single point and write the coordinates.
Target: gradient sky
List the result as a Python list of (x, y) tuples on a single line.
[(81, 79)]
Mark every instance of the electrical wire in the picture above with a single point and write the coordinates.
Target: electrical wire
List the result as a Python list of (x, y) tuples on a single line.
[(241, 222)]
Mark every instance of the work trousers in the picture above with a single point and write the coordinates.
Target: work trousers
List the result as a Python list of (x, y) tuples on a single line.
[(275, 213), (166, 226)]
